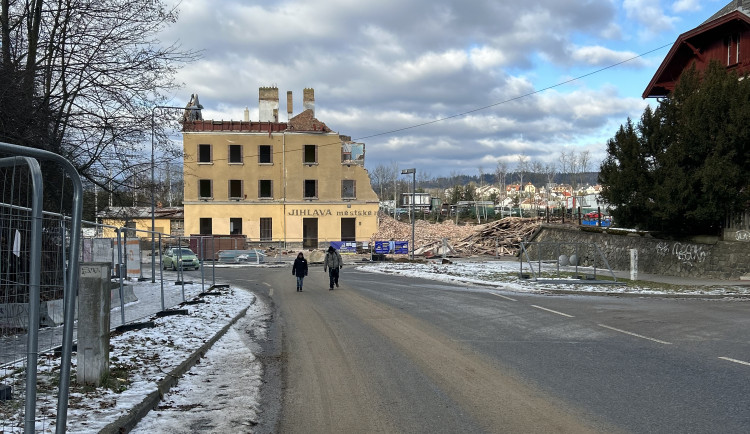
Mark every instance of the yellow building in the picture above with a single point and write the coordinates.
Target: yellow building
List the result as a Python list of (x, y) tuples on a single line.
[(168, 221), (296, 182)]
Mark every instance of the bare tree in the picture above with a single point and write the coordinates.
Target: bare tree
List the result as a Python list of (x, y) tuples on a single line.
[(380, 176), (565, 165), (522, 167), (501, 171), (81, 79), (584, 160), (394, 172), (549, 173), (423, 177)]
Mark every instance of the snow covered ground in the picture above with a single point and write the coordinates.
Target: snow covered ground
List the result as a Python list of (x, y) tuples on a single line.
[(139, 359), (503, 275)]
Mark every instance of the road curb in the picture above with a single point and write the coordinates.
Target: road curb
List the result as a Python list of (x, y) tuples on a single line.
[(129, 420)]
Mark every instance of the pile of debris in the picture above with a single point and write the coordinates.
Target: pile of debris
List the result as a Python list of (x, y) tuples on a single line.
[(501, 237)]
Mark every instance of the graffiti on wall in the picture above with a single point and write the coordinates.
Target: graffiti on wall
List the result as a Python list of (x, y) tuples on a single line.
[(742, 235), (685, 253)]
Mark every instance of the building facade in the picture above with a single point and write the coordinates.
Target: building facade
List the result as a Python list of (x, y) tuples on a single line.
[(296, 182)]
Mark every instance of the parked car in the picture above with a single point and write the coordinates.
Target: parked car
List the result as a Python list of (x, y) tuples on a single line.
[(187, 259), (594, 215)]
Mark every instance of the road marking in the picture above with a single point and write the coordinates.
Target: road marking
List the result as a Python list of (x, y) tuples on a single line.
[(502, 296), (735, 361), (635, 334), (553, 311), (266, 283)]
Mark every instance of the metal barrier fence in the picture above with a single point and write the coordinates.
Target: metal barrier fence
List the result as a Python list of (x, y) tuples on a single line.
[(38, 253), (564, 262), (135, 300)]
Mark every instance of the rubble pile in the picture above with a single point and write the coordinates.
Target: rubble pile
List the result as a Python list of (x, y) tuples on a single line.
[(505, 235), (502, 237)]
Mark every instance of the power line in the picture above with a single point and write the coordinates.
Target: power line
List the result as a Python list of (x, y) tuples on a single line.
[(562, 83), (515, 98)]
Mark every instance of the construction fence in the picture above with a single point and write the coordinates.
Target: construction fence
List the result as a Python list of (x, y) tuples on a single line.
[(44, 245)]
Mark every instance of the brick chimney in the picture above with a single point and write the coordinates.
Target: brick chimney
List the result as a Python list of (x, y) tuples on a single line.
[(308, 99), (268, 104), (289, 110)]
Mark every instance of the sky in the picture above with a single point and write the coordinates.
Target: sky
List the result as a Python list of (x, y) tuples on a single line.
[(447, 87)]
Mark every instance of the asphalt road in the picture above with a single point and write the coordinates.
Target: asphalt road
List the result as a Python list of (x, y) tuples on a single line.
[(386, 353)]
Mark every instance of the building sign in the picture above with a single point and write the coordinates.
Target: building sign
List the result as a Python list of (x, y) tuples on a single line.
[(323, 212)]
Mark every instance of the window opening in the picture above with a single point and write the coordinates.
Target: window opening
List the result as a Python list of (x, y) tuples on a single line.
[(266, 229), (206, 226), (235, 189), (204, 153), (235, 226), (265, 154), (205, 190), (310, 154), (265, 189), (235, 153), (348, 189), (311, 189)]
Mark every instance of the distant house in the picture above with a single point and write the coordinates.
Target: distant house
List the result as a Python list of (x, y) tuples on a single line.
[(167, 220), (487, 191), (422, 201), (513, 188)]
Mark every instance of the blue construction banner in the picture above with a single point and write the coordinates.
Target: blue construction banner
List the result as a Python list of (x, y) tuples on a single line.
[(593, 222), (383, 247), (345, 246), (397, 247), (401, 248)]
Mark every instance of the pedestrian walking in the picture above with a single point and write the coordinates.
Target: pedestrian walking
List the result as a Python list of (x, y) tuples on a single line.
[(333, 263), (299, 269)]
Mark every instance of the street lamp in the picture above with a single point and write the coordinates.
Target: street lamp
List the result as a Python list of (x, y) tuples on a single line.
[(413, 172), (153, 184)]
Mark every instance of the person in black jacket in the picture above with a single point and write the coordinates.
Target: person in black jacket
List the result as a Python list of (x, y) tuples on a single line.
[(299, 269)]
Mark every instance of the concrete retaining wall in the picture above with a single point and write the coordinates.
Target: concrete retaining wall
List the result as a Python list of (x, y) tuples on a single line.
[(710, 259)]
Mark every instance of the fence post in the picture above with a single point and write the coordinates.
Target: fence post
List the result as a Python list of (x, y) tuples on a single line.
[(120, 248), (633, 264), (161, 273), (213, 263), (94, 302)]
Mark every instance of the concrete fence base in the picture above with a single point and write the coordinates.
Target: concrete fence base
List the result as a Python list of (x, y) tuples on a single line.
[(16, 315)]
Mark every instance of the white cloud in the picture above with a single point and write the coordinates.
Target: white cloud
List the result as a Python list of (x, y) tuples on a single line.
[(686, 5), (486, 57), (649, 14), (602, 56)]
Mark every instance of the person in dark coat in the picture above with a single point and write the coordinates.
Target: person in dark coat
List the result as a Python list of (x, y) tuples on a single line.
[(299, 269), (333, 263)]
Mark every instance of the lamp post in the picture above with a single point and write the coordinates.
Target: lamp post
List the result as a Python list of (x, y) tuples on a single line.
[(413, 172), (153, 185)]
